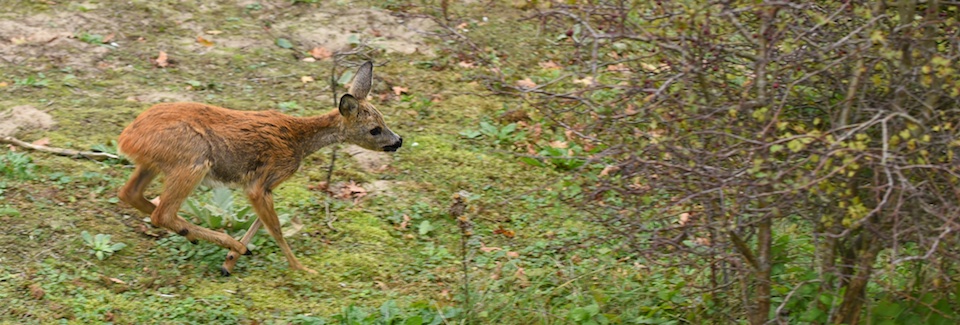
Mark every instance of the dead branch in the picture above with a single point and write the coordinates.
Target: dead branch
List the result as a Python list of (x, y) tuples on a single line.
[(98, 156)]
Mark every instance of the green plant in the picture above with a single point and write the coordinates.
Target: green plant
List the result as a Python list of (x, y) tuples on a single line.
[(100, 245), (503, 136), (91, 38), (17, 165), (39, 81), (219, 212)]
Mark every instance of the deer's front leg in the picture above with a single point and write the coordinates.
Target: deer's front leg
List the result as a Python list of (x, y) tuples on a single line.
[(262, 202)]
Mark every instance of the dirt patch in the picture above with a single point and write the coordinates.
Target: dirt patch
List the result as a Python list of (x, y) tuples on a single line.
[(32, 39), (24, 117), (337, 31), (370, 161), (161, 97)]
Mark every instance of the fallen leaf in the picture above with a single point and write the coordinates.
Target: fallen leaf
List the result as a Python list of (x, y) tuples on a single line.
[(204, 41), (521, 276), (108, 317), (558, 144), (462, 26), (115, 280), (320, 53), (618, 67), (41, 142), (36, 291), (486, 249), (376, 32), (702, 241), (3, 84), (353, 190), (214, 32), (513, 255), (18, 40), (321, 186), (684, 218), (306, 79), (549, 65), (505, 232), (445, 294), (399, 90), (609, 169), (403, 224), (526, 83), (586, 81), (436, 98), (497, 271), (294, 227), (161, 60), (466, 65), (108, 38)]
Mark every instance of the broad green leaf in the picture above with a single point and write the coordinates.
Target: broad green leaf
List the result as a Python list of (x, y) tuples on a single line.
[(284, 43)]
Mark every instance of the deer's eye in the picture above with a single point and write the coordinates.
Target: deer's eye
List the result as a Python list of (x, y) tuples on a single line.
[(376, 131)]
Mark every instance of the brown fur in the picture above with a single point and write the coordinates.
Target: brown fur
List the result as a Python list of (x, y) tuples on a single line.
[(192, 143)]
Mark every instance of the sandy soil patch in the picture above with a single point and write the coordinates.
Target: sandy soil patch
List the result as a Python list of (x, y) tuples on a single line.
[(52, 38), (335, 30), (24, 117)]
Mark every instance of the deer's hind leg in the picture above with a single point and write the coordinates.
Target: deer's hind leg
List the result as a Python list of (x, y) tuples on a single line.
[(177, 186), (232, 256), (132, 192)]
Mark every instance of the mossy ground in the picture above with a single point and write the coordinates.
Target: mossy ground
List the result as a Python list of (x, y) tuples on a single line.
[(48, 275)]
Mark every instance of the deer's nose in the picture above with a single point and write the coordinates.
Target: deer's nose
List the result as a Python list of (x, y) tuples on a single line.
[(395, 146)]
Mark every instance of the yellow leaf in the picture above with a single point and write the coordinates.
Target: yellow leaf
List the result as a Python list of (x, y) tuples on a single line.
[(306, 79), (204, 41)]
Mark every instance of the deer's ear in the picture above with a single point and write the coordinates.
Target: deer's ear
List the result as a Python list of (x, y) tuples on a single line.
[(349, 106), (363, 81)]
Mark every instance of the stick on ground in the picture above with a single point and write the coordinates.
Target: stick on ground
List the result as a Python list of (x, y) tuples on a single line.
[(98, 156)]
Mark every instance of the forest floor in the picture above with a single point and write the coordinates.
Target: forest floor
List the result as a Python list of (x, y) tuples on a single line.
[(74, 74)]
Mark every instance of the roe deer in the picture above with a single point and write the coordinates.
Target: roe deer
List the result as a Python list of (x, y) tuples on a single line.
[(192, 143)]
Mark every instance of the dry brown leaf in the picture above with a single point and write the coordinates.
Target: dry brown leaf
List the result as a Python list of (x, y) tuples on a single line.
[(484, 248), (404, 223), (353, 190), (204, 41), (161, 60), (294, 227), (462, 26), (306, 79), (549, 65), (497, 271), (559, 144), (513, 255), (41, 142), (505, 232), (320, 53), (397, 90), (321, 186), (108, 38), (36, 291), (684, 218), (702, 241), (526, 83), (609, 169), (18, 40), (586, 81), (466, 65), (618, 67), (521, 276), (115, 280), (214, 32)]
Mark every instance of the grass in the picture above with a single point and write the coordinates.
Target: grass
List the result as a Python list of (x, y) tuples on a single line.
[(370, 266)]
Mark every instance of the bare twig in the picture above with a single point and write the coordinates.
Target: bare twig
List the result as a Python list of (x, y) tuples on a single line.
[(98, 156)]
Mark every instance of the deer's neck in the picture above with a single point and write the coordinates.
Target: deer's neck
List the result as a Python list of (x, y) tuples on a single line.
[(321, 131)]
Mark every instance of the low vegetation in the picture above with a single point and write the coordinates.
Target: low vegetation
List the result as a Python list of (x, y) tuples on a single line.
[(564, 162)]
